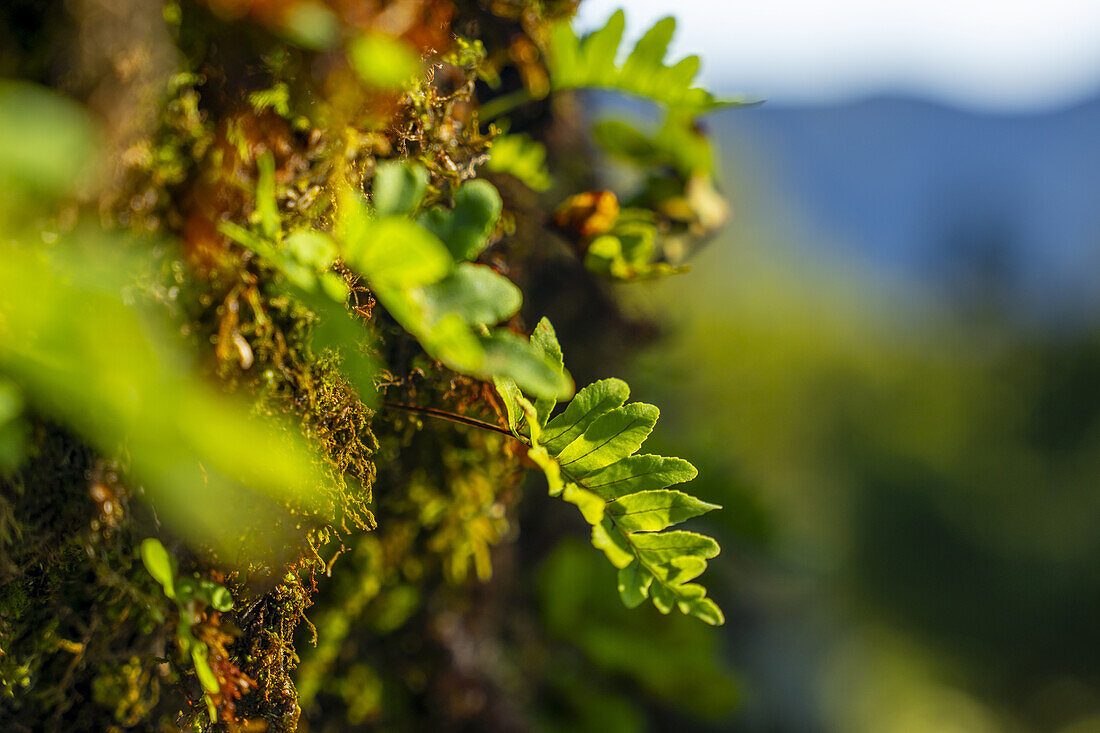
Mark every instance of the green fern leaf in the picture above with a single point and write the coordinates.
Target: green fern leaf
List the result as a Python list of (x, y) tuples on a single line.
[(607, 536), (634, 584), (545, 341), (610, 438), (652, 511), (639, 473), (590, 403), (510, 356), (587, 454), (591, 63), (590, 505), (676, 144), (662, 547), (510, 395)]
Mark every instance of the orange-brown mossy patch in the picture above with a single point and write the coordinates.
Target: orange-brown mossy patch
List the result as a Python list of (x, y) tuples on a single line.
[(265, 652)]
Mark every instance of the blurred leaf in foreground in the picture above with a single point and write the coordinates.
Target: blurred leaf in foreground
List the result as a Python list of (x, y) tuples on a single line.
[(47, 140), (86, 359), (74, 351)]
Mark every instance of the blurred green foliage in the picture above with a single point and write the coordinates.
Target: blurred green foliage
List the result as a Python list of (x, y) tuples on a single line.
[(112, 369), (522, 157), (592, 62), (672, 658), (917, 489), (48, 143)]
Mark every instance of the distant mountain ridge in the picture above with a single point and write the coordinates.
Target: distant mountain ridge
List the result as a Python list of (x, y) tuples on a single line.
[(947, 196)]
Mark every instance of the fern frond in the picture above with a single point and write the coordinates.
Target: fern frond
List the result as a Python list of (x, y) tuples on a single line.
[(590, 62), (588, 453)]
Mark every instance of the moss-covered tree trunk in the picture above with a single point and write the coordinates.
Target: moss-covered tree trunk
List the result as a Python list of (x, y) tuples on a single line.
[(403, 595)]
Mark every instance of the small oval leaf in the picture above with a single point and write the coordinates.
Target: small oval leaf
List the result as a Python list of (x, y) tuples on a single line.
[(159, 564)]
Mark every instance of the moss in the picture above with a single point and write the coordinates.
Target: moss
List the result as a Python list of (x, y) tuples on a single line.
[(129, 689), (265, 652), (449, 493), (366, 613)]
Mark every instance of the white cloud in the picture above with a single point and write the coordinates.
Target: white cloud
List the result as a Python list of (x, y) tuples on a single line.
[(979, 53)]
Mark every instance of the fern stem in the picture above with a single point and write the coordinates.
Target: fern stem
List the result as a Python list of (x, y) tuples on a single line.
[(452, 417)]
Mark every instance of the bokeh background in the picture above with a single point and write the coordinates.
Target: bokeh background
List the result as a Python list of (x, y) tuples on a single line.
[(888, 367)]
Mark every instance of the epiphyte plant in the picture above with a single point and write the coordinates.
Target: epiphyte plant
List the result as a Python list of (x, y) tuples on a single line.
[(191, 596)]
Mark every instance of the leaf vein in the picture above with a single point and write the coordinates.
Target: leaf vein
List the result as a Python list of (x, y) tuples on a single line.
[(626, 478), (633, 422)]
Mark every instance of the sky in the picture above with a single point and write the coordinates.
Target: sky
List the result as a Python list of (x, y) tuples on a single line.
[(989, 55)]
